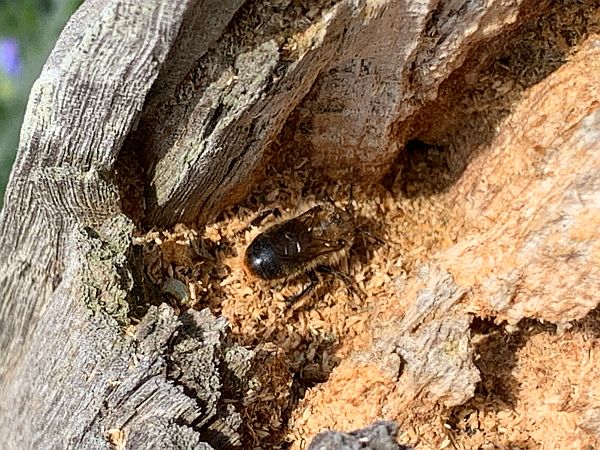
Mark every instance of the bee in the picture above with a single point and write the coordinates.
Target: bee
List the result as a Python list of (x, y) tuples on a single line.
[(304, 244)]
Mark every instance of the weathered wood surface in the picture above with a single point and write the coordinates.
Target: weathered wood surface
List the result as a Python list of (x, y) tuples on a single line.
[(193, 93), (533, 251), (94, 382)]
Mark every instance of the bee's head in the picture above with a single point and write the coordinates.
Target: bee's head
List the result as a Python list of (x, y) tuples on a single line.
[(336, 224)]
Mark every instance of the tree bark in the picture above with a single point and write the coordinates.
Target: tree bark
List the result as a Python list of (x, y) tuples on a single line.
[(68, 372)]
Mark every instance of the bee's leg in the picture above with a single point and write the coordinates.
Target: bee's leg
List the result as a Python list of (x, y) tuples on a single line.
[(258, 218), (370, 235), (350, 207), (346, 279), (313, 281), (262, 215)]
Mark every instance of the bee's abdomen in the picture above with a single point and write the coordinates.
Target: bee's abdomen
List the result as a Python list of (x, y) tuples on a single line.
[(262, 259)]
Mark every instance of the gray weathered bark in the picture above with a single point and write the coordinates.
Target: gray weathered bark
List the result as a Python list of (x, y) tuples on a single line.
[(68, 374), (379, 436)]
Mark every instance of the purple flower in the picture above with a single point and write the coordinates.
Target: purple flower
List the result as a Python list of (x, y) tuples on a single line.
[(10, 58)]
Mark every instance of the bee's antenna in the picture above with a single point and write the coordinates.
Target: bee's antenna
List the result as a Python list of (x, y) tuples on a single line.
[(346, 279), (350, 208)]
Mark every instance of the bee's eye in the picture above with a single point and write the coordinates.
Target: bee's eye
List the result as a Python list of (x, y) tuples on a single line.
[(341, 242)]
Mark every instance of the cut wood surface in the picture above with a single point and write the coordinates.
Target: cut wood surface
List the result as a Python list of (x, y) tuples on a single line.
[(147, 115)]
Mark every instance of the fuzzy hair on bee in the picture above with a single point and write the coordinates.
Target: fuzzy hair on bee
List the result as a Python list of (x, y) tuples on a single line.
[(322, 235)]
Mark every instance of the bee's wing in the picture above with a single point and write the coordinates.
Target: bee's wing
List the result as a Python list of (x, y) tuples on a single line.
[(301, 226), (308, 219), (309, 245), (320, 247)]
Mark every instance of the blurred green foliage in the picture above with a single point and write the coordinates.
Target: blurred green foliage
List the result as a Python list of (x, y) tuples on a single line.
[(36, 25)]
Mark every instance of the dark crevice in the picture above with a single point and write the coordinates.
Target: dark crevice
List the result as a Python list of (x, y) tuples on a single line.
[(143, 293), (213, 118)]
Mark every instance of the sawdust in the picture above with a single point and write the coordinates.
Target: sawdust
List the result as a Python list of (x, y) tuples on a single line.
[(316, 332)]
